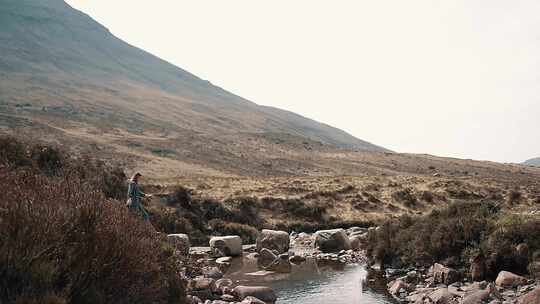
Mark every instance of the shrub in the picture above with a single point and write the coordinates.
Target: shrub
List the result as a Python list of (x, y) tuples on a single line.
[(181, 196), (213, 209), (13, 153), (246, 210), (247, 233), (455, 233), (435, 237), (514, 196), (427, 196), (111, 181), (48, 160), (295, 207), (51, 161), (406, 197), (168, 221), (60, 236)]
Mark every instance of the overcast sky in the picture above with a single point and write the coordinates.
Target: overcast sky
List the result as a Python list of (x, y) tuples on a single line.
[(453, 78)]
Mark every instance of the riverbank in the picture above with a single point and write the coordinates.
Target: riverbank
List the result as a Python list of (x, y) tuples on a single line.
[(442, 285), (297, 266), (226, 273)]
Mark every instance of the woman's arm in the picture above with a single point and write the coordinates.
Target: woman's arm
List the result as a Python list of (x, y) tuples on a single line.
[(131, 190)]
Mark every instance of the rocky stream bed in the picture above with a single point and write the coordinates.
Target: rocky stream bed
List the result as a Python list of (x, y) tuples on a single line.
[(328, 267)]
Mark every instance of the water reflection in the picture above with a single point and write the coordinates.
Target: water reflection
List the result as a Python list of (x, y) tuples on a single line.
[(315, 284)]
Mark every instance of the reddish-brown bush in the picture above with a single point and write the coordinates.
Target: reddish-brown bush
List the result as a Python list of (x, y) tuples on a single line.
[(52, 161), (61, 237)]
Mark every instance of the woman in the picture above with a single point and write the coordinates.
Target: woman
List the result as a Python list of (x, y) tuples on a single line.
[(135, 195)]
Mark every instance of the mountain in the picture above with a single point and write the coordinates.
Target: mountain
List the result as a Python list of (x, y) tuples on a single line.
[(65, 79), (533, 162), (56, 57)]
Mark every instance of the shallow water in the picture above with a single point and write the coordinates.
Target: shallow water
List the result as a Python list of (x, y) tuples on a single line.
[(310, 283)]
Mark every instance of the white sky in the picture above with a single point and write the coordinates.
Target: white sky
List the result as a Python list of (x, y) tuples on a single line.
[(446, 77)]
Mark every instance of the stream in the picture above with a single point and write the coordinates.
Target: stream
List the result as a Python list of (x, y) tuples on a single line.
[(313, 284)]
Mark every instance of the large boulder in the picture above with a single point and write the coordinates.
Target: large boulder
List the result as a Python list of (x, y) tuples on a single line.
[(332, 240), (180, 242), (508, 279), (532, 297), (273, 240), (221, 246), (443, 275), (263, 293)]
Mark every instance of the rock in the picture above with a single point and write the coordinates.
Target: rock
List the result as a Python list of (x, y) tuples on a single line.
[(397, 287), (532, 297), (202, 294), (224, 263), (441, 296), (273, 240), (476, 297), (180, 242), (221, 284), (303, 239), (355, 242), (355, 231), (332, 240), (412, 277), (193, 300), (201, 284), (251, 300), (222, 246), (443, 275), (478, 268), (228, 298), (212, 272), (281, 264), (508, 279), (220, 302), (263, 293), (297, 259), (223, 260), (493, 291), (523, 250), (265, 258)]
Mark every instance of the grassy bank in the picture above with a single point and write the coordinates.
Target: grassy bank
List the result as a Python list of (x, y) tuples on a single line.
[(457, 236)]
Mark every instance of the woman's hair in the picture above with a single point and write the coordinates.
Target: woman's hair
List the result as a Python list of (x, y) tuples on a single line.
[(135, 177)]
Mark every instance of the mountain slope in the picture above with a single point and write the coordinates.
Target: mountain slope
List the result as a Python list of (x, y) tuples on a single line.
[(59, 67)]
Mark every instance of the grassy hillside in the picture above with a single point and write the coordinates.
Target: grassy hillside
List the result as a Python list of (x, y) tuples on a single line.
[(66, 78)]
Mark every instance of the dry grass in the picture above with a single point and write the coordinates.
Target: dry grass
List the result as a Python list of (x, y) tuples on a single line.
[(332, 201)]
